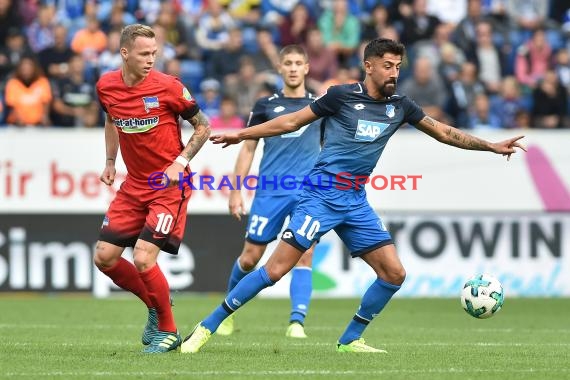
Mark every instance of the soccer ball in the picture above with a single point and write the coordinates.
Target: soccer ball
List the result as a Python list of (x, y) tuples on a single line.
[(482, 296)]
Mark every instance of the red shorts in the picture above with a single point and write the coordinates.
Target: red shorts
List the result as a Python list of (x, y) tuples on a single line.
[(156, 216)]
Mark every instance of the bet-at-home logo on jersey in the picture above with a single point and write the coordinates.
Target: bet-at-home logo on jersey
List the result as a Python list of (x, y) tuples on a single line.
[(136, 125), (369, 130)]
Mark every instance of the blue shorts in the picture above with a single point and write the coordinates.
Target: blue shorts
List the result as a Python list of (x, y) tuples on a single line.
[(267, 216), (348, 213)]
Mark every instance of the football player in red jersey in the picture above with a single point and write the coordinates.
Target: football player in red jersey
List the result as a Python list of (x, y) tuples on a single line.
[(148, 213)]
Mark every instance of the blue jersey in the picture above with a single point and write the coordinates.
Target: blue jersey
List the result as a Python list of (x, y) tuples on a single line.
[(356, 130), (287, 158)]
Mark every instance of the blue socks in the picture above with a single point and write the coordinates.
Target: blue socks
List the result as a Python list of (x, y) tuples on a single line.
[(245, 290), (373, 301), (300, 293), (299, 290), (237, 274)]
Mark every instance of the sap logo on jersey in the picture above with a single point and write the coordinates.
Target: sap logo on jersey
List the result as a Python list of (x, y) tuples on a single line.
[(369, 130)]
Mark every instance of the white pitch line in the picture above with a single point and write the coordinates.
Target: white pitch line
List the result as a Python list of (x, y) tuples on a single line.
[(267, 328), (68, 327), (498, 330), (420, 344), (145, 374), (484, 344), (295, 344), (67, 344)]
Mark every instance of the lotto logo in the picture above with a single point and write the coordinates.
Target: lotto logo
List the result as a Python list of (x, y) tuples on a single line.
[(369, 130), (236, 302)]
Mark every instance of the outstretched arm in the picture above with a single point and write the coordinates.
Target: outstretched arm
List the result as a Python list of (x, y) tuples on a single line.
[(283, 124), (456, 137)]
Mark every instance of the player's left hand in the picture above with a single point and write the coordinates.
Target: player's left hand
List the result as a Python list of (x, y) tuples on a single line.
[(507, 147), (173, 174), (227, 139)]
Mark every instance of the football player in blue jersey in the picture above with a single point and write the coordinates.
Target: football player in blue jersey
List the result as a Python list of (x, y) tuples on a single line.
[(286, 160), (358, 121)]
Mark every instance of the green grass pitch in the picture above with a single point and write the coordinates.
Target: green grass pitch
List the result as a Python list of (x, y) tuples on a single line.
[(78, 337)]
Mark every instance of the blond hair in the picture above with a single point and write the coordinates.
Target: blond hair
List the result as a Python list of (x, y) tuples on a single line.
[(131, 32)]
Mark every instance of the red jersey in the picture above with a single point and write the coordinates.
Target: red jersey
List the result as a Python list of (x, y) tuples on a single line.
[(146, 117)]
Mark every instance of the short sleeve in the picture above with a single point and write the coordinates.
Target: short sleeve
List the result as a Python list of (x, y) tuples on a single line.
[(183, 103), (328, 103), (99, 94), (257, 114), (413, 113)]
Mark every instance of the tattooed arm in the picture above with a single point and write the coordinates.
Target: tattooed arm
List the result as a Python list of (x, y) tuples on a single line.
[(199, 137), (456, 137), (201, 133)]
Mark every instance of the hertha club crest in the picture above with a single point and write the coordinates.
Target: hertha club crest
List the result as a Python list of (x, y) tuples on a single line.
[(150, 102)]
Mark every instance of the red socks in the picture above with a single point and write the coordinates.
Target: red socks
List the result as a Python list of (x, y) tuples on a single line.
[(126, 276), (159, 294)]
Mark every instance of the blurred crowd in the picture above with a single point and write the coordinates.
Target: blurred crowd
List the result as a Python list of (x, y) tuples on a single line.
[(471, 63)]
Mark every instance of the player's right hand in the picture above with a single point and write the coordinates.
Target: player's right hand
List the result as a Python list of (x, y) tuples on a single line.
[(227, 139), (108, 175), (236, 206)]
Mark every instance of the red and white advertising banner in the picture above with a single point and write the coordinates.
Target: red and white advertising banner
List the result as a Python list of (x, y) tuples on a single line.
[(452, 213), (57, 171)]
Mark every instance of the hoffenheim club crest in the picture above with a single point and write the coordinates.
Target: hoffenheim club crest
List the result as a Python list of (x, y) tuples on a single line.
[(390, 110)]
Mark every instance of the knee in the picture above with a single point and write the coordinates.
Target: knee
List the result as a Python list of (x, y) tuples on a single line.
[(250, 256), (247, 263), (104, 257), (275, 272), (100, 261), (143, 259), (396, 276)]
